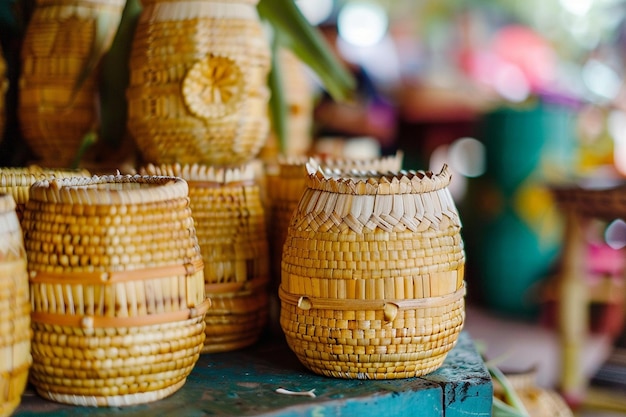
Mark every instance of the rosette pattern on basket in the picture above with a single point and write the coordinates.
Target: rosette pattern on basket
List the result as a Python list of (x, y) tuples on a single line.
[(230, 223), (116, 286), (372, 274), (15, 333)]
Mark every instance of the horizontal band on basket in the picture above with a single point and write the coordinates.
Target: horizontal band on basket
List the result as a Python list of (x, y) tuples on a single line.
[(114, 277), (304, 302), (230, 287), (181, 10), (90, 322), (214, 184), (7, 267)]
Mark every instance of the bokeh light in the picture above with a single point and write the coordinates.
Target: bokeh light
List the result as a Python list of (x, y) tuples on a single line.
[(362, 23), (315, 11)]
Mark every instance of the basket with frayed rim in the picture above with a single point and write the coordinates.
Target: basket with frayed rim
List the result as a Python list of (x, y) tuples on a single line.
[(15, 333), (230, 223), (17, 181), (372, 274), (116, 286), (198, 82)]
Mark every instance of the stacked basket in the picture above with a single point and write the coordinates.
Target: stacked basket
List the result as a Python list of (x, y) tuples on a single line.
[(15, 333), (230, 223), (17, 181), (372, 275), (117, 288)]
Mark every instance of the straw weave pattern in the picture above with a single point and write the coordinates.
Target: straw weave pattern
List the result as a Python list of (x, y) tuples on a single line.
[(15, 332), (372, 274), (198, 91), (230, 223), (57, 44), (607, 202), (116, 286)]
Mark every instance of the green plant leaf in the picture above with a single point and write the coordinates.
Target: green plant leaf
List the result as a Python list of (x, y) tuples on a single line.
[(106, 25), (115, 77), (278, 105), (502, 409), (89, 139), (510, 395), (307, 43)]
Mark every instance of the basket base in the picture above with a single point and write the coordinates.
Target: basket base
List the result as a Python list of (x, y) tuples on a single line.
[(114, 400)]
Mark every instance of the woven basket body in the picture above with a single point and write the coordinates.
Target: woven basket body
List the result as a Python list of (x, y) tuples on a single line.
[(372, 275), (230, 222), (117, 288), (15, 333), (58, 43), (17, 181), (198, 90)]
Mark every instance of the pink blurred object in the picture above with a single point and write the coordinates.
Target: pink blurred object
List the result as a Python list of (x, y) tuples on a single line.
[(603, 260)]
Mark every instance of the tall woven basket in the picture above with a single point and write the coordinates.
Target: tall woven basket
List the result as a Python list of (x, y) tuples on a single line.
[(15, 333), (198, 82), (116, 286), (230, 222), (372, 275), (17, 181), (58, 44)]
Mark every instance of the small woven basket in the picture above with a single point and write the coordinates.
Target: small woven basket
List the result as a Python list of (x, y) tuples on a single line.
[(116, 286), (54, 115), (230, 222), (17, 181), (15, 333), (372, 275), (198, 82)]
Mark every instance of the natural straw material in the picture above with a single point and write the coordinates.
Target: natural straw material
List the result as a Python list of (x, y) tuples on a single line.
[(198, 82), (15, 333), (54, 113), (17, 181), (117, 288), (230, 223), (372, 274)]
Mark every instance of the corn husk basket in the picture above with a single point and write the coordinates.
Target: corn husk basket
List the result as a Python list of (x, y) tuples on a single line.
[(285, 189), (230, 222), (17, 181), (372, 275), (116, 286), (54, 113), (198, 90), (15, 333)]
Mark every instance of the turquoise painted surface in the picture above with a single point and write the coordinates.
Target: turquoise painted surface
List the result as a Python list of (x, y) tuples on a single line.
[(243, 383)]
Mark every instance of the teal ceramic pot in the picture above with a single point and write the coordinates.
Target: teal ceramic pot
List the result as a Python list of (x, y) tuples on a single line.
[(513, 228)]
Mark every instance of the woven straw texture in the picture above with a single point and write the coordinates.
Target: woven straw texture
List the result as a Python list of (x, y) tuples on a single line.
[(372, 275), (600, 202), (17, 181), (54, 116), (230, 223), (116, 286), (15, 333), (198, 90), (286, 187)]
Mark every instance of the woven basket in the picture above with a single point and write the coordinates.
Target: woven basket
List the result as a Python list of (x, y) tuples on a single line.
[(372, 275), (230, 222), (17, 181), (117, 288), (198, 90), (15, 333), (57, 45)]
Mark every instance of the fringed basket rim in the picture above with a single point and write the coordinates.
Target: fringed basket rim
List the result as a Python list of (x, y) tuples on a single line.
[(120, 189), (376, 182), (200, 173)]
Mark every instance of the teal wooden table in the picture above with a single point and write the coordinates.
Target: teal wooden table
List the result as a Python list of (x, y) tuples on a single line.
[(244, 383)]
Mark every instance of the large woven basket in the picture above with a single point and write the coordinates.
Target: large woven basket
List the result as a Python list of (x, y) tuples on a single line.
[(230, 222), (15, 333), (117, 288), (17, 181), (58, 43), (372, 275), (198, 82)]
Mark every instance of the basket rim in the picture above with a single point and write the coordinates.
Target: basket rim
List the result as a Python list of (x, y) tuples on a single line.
[(357, 182), (200, 175), (94, 191)]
